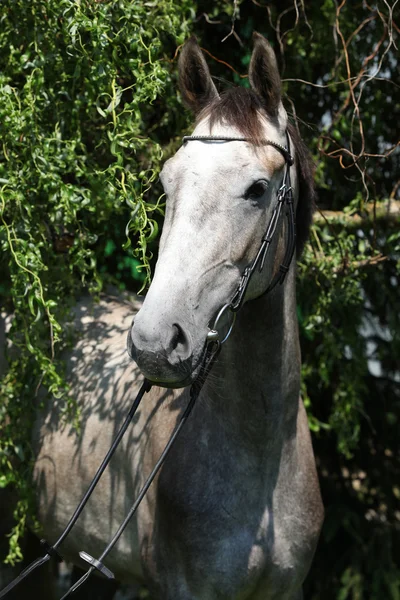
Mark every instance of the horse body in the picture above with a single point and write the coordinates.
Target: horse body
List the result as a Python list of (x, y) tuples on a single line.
[(235, 512)]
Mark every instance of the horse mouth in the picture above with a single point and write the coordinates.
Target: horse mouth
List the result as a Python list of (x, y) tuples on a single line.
[(172, 384), (157, 369)]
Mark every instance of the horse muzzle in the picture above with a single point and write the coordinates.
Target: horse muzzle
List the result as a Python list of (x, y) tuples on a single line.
[(164, 354)]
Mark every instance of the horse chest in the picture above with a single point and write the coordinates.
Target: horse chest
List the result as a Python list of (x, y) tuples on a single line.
[(214, 531), (217, 555)]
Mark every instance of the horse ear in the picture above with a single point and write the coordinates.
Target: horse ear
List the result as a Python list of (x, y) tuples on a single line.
[(264, 74), (195, 83)]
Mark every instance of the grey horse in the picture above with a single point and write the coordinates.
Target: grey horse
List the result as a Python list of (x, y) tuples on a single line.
[(235, 512)]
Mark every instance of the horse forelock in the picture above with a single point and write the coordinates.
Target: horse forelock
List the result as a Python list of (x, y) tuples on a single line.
[(241, 108)]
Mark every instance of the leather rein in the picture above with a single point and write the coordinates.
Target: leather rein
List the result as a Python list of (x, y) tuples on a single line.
[(212, 348)]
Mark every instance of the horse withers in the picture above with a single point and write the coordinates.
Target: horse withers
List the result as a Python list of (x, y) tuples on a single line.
[(235, 512)]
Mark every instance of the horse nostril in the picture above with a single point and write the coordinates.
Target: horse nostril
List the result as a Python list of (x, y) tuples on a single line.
[(179, 340)]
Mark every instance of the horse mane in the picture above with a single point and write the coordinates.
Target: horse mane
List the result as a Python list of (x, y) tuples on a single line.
[(307, 194), (240, 108)]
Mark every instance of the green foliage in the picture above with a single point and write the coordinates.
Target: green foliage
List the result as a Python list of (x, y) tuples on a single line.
[(330, 319), (80, 88), (87, 104)]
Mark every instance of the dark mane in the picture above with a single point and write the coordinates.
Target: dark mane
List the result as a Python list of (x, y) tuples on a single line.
[(307, 195), (240, 108)]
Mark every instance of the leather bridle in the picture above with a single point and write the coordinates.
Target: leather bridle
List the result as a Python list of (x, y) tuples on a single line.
[(284, 197), (213, 346)]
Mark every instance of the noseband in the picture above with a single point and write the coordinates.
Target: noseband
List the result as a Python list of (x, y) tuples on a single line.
[(284, 197), (212, 348)]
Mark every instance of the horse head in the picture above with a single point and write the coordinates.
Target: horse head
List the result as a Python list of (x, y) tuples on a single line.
[(221, 195)]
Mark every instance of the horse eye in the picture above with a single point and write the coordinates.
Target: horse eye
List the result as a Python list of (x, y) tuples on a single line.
[(256, 190)]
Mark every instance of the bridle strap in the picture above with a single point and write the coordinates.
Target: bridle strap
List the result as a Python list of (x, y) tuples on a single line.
[(291, 218), (215, 138), (285, 196)]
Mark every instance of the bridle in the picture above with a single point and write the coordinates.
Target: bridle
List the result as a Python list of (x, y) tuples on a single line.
[(284, 196), (213, 346)]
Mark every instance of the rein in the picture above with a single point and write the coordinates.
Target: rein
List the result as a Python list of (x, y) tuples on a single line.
[(212, 349)]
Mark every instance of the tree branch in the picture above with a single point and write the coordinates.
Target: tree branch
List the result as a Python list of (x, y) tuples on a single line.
[(387, 211)]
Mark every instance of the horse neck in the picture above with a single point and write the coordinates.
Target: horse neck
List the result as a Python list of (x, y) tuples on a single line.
[(255, 384)]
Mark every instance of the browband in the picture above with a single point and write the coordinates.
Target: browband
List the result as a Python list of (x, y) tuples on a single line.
[(214, 138)]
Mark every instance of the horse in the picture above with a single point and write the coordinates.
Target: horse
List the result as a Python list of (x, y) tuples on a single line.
[(235, 511)]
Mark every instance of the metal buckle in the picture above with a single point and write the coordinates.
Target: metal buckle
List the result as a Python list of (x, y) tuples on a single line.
[(97, 564), (281, 195), (213, 334), (51, 551)]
